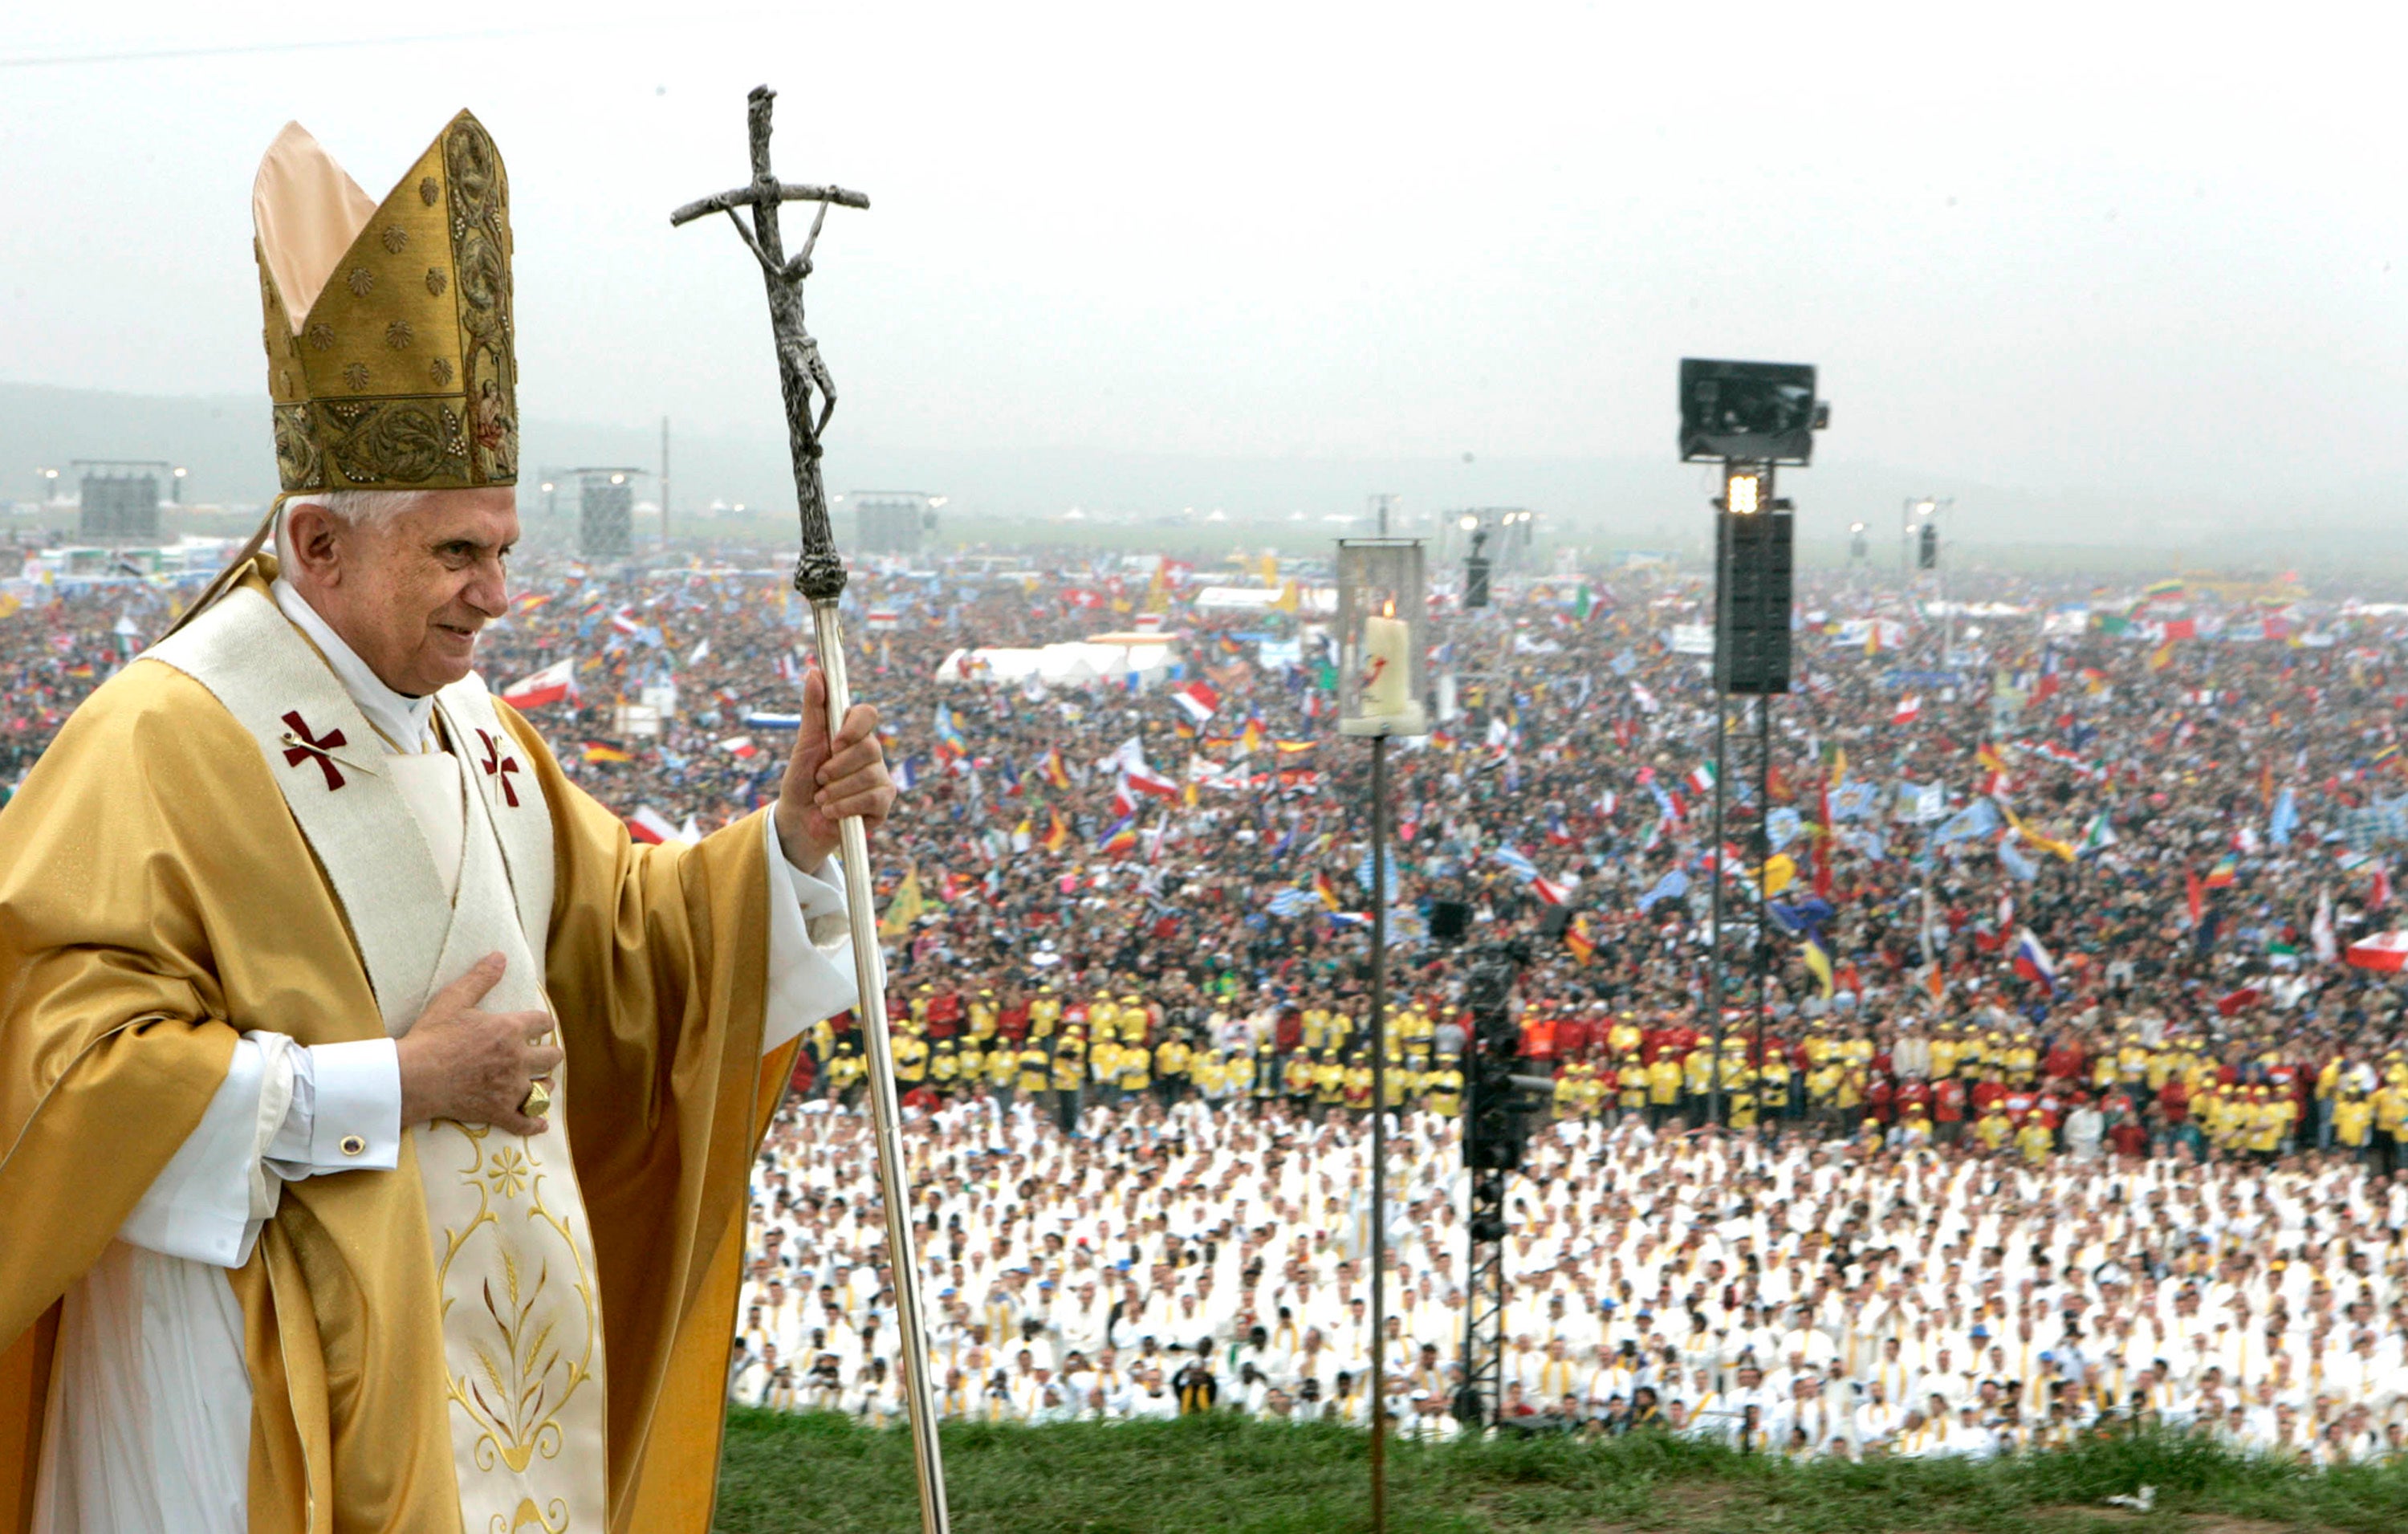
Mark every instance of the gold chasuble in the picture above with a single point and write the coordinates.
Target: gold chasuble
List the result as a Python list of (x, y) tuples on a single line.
[(205, 848), (500, 1335)]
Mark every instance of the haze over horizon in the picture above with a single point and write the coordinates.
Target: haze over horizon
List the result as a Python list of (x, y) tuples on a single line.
[(2103, 268)]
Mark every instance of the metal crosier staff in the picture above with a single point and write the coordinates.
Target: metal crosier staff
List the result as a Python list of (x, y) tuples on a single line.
[(820, 576)]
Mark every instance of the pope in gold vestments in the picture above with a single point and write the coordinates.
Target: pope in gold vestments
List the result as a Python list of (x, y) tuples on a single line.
[(171, 886)]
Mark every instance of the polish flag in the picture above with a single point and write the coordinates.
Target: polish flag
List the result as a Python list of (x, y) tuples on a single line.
[(549, 685), (1910, 709), (626, 622), (649, 824), (1199, 698), (1146, 781), (739, 746)]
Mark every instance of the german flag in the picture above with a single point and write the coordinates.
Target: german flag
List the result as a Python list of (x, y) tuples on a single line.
[(2162, 656), (1323, 887), (602, 750), (82, 669), (1057, 835), (1577, 939), (1987, 755), (1055, 773)]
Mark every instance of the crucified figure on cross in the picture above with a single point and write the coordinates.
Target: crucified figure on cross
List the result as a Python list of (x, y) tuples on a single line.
[(810, 391)]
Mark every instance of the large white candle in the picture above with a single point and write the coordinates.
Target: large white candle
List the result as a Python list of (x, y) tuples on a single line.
[(1385, 667)]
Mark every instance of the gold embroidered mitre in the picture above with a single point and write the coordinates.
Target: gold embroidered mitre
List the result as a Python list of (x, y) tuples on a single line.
[(398, 372)]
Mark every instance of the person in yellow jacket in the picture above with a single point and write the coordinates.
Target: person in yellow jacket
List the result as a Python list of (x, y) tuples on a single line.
[(944, 1066), (1329, 1082), (1993, 1128), (1663, 1090), (1295, 1079), (1241, 1069), (2034, 1140), (1136, 1062), (1446, 1094), (1172, 1061), (1034, 1066), (1209, 1074), (2353, 1122), (1357, 1087), (1567, 1092), (1945, 1051), (1044, 1012), (982, 1011), (911, 1060)]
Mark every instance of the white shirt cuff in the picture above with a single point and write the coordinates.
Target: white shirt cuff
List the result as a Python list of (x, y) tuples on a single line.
[(810, 944), (346, 1113)]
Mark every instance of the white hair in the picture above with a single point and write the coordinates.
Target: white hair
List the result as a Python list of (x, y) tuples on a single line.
[(358, 508)]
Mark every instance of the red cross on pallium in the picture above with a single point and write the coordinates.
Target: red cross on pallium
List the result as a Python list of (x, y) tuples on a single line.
[(497, 764), (301, 746)]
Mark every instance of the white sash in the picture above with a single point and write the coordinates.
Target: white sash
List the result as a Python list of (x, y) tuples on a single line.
[(521, 1305)]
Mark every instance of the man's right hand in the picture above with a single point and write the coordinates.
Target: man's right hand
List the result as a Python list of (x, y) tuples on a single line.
[(474, 1066)]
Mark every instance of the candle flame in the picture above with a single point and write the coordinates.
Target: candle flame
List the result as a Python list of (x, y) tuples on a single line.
[(1388, 608)]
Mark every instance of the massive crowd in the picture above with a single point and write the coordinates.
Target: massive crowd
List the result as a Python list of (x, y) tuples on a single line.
[(2058, 1099)]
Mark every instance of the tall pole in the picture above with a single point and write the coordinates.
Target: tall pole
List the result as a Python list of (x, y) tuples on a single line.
[(1722, 763), (1762, 960), (1378, 1129)]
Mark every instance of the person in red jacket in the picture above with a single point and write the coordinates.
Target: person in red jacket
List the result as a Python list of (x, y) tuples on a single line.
[(1948, 1105)]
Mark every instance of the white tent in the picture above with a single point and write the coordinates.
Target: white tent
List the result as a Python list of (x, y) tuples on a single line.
[(1063, 665)]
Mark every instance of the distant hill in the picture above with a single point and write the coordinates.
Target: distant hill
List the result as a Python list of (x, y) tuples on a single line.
[(223, 439)]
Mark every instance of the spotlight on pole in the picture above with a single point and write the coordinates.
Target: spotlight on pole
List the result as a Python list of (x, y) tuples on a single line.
[(1744, 492)]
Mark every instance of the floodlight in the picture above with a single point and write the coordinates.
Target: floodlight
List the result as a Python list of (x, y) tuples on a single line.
[(1744, 493)]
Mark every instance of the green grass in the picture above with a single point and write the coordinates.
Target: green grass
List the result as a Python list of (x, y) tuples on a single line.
[(790, 1475)]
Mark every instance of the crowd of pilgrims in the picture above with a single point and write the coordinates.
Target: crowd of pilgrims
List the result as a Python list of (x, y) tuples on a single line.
[(2055, 1103)]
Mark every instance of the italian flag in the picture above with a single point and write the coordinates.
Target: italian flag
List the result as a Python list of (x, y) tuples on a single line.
[(1702, 777)]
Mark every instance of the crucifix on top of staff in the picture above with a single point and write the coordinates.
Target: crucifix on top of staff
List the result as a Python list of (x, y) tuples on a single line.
[(820, 577)]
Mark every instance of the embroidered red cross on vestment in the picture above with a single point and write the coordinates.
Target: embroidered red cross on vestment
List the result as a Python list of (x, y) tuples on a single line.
[(497, 764), (301, 746)]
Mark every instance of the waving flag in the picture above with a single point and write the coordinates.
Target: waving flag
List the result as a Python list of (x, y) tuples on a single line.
[(1326, 889), (2222, 875), (1198, 699), (2284, 820), (1057, 835), (650, 826), (2032, 961), (1053, 772), (602, 750), (549, 685), (1908, 710), (1670, 887), (1121, 839), (1295, 902), (1702, 777), (1515, 863), (1146, 781), (1579, 940), (1818, 962)]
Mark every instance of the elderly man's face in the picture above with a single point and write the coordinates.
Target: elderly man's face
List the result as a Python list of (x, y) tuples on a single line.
[(410, 593)]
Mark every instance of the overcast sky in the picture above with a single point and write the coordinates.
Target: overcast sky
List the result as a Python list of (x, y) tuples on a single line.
[(2054, 248)]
